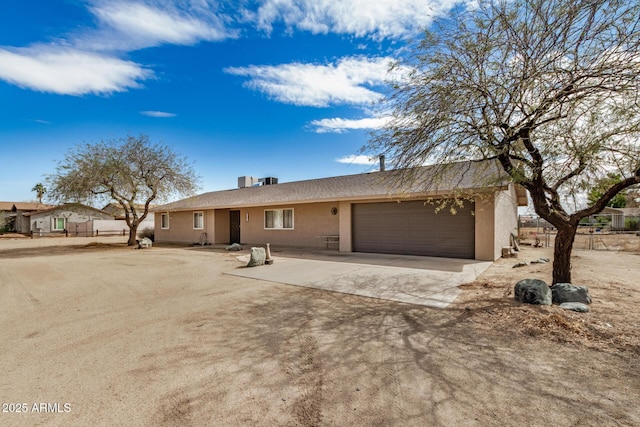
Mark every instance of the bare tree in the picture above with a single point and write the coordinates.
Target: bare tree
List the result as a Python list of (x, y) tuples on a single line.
[(547, 88), (132, 171)]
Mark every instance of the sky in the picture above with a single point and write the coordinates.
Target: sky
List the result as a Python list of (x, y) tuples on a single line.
[(282, 88)]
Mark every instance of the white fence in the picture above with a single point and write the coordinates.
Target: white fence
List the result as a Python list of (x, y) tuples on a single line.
[(105, 227)]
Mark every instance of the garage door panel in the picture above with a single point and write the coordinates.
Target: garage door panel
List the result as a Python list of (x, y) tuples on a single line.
[(413, 228)]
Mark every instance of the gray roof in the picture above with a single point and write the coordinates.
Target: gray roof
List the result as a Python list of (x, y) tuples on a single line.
[(72, 206), (426, 181)]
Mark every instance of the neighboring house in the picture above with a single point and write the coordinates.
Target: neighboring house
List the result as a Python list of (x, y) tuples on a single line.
[(5, 216), (380, 212), (118, 212), (12, 213), (61, 218)]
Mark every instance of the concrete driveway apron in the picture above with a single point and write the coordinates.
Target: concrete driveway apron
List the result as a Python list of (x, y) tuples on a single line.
[(434, 284)]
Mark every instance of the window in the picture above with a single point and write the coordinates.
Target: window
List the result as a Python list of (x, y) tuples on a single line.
[(198, 220), (278, 219), (164, 221), (59, 224)]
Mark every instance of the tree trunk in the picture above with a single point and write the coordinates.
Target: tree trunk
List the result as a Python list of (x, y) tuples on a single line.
[(562, 253), (133, 233)]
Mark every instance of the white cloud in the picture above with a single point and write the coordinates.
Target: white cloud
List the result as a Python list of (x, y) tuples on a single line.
[(358, 160), (379, 19), (42, 122), (346, 82), (160, 114), (338, 125), (69, 71), (138, 25)]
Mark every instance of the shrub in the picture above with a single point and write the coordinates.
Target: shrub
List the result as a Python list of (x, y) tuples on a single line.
[(631, 224), (148, 233)]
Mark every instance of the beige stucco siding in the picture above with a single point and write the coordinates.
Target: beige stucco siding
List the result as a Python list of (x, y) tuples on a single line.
[(181, 227), (310, 221), (484, 227), (496, 219), (221, 232), (344, 212), (506, 219)]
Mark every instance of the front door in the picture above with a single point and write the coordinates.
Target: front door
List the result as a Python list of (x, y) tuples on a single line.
[(234, 222)]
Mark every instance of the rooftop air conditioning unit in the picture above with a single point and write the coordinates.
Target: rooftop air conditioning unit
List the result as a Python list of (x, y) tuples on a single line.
[(269, 180), (246, 181)]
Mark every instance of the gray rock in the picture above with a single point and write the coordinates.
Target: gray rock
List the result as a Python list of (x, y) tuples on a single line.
[(575, 306), (520, 264), (234, 247), (144, 243), (540, 261), (566, 292), (532, 291), (258, 256)]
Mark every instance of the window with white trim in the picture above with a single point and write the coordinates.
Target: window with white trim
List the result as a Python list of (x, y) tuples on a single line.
[(164, 221), (59, 224), (278, 219), (198, 220)]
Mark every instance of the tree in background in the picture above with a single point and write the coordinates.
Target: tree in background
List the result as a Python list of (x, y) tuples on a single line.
[(547, 88), (40, 189), (132, 171), (596, 192)]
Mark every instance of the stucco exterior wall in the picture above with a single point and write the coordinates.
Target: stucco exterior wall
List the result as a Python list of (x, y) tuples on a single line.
[(485, 227), (181, 227), (506, 219), (344, 212), (496, 218), (221, 232), (310, 221), (43, 222)]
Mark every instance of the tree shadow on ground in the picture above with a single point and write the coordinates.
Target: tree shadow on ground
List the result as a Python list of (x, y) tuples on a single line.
[(322, 358)]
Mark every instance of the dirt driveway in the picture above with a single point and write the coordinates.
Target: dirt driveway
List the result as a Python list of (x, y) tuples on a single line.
[(105, 335)]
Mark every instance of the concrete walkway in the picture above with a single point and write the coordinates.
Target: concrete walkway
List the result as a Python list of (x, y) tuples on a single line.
[(371, 275)]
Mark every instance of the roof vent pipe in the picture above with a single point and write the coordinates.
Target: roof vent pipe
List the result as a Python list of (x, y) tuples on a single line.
[(381, 157)]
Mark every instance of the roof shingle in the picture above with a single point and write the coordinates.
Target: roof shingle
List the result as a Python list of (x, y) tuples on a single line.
[(427, 181)]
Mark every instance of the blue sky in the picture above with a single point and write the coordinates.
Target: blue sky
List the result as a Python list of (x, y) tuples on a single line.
[(284, 88)]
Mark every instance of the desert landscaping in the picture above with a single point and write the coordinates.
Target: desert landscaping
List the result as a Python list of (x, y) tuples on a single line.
[(97, 333)]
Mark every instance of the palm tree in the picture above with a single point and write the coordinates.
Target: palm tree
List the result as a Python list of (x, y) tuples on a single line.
[(39, 188)]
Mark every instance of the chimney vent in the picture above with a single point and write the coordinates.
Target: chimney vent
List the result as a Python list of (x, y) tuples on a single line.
[(382, 167)]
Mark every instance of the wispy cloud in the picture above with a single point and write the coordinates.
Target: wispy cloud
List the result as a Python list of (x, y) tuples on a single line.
[(358, 159), (68, 71), (378, 19), (88, 60), (42, 122), (349, 81), (160, 114), (338, 125), (126, 25)]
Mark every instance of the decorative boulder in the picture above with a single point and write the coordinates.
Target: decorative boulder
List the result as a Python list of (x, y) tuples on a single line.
[(144, 243), (575, 306), (566, 292), (258, 256), (234, 247), (532, 291)]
